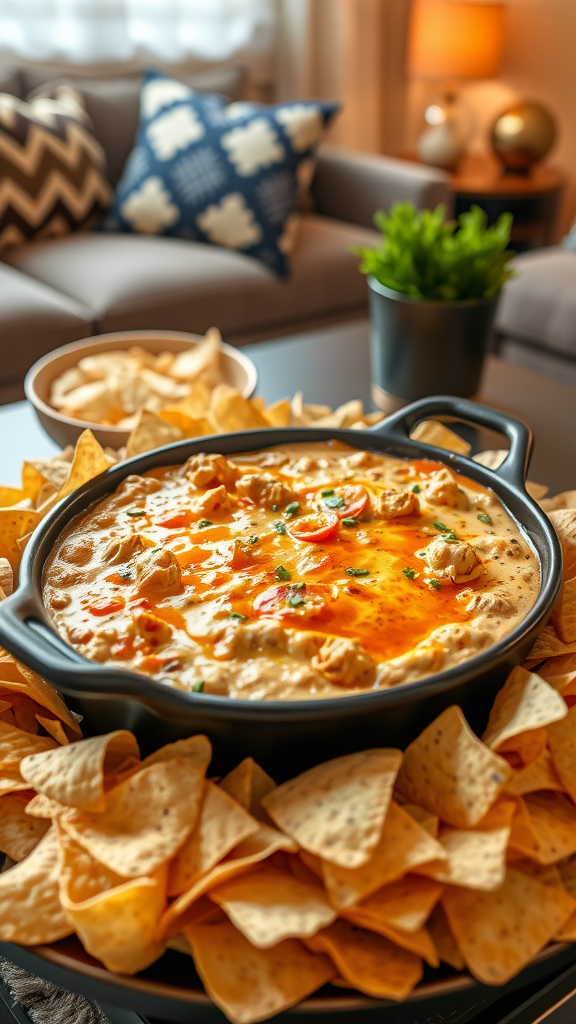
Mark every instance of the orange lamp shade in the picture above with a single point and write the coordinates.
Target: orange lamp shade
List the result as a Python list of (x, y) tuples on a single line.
[(455, 38)]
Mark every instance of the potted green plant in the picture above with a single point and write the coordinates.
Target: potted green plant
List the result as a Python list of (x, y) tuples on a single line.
[(433, 290)]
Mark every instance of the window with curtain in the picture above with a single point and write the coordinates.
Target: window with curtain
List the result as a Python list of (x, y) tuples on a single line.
[(90, 31)]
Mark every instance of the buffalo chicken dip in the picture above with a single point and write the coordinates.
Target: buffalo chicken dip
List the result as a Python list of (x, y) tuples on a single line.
[(302, 571)]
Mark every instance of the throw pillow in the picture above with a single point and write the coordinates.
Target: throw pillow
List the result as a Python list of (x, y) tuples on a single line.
[(52, 169), (214, 172)]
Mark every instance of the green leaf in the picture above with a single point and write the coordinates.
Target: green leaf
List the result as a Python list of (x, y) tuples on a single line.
[(282, 573)]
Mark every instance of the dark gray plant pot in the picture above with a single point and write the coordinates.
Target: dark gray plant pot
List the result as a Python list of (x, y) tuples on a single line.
[(420, 348)]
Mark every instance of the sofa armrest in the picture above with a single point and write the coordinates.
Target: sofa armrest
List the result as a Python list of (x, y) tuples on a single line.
[(352, 186)]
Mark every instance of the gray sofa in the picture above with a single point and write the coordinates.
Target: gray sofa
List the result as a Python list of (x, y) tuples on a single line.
[(56, 291)]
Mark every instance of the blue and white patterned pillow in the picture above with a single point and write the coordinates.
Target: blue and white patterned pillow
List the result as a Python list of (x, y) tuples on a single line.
[(229, 174)]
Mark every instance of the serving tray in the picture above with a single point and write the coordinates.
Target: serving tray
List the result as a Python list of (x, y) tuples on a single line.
[(171, 990)]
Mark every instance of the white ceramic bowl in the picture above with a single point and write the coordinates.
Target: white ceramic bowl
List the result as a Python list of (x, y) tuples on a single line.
[(237, 370)]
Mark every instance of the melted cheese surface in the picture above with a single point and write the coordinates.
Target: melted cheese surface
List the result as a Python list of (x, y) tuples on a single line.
[(301, 571)]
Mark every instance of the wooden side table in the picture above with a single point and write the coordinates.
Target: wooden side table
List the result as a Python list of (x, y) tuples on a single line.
[(532, 199)]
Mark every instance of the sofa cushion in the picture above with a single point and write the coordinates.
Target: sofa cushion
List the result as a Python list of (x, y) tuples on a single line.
[(539, 304), (227, 174), (34, 319), (113, 103), (136, 282), (52, 169)]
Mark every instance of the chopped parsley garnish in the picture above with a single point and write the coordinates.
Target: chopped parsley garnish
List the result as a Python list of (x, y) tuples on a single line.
[(155, 549), (416, 489), (449, 536), (292, 508), (205, 522), (434, 585), (335, 501), (296, 600), (485, 518), (254, 539), (198, 687), (136, 512), (442, 527), (280, 527), (126, 576), (282, 573), (274, 508), (238, 616), (349, 521), (409, 573), (327, 492), (298, 586), (357, 572)]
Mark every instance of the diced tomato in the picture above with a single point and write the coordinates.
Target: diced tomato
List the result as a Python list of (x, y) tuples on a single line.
[(116, 605), (315, 528), (176, 521), (288, 599), (356, 498)]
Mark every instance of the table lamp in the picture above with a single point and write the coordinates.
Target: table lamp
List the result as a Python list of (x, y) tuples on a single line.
[(452, 40)]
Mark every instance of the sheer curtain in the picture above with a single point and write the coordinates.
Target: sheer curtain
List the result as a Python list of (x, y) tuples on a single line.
[(88, 31)]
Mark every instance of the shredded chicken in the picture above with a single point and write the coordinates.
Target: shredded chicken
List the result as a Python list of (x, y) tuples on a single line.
[(122, 549), (442, 489), (456, 561), (487, 602), (391, 503), (152, 628), (345, 663), (158, 573), (215, 501), (263, 489), (210, 471)]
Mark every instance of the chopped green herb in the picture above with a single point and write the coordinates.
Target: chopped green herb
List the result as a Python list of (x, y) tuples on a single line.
[(357, 572), (280, 527), (238, 616), (274, 508), (199, 686), (292, 508), (434, 585), (296, 601), (126, 575), (449, 536), (155, 549), (327, 492), (298, 586), (254, 539), (409, 573), (205, 522), (416, 489), (334, 502), (136, 512), (282, 573), (442, 527), (349, 521), (485, 518)]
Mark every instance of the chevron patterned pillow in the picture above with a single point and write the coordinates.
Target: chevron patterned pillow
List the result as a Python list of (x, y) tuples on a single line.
[(52, 169)]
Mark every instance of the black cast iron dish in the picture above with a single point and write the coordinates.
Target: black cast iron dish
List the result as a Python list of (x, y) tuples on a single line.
[(287, 736)]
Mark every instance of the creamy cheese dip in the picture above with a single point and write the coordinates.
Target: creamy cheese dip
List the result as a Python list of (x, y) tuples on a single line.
[(306, 570)]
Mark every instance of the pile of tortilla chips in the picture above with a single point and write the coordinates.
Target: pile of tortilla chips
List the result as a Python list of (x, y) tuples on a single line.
[(356, 873)]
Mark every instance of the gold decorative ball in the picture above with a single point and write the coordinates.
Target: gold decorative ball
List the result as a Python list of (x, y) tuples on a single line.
[(522, 135)]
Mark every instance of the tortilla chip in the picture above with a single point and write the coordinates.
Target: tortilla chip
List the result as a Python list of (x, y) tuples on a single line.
[(476, 857), (54, 728), (548, 874), (337, 809), (19, 833), (6, 577), (344, 416), (88, 462), (562, 743), (567, 499), (75, 775), (257, 983), (151, 432), (239, 861), (147, 818), (405, 905), (16, 744), (197, 748), (429, 822), (269, 906), (222, 825), (41, 806), (544, 827), (524, 749), (202, 358), (540, 774), (451, 773), (525, 702), (31, 911), (563, 616), (248, 783), (549, 645), (499, 932), (14, 524), (229, 411), (278, 414), (560, 673), (182, 421), (12, 782), (402, 847), (418, 942), (564, 522), (443, 939), (11, 496), (114, 919), (369, 962), (433, 432), (16, 677)]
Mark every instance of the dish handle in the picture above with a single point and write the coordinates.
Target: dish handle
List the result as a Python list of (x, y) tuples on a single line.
[(513, 470), (25, 635)]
